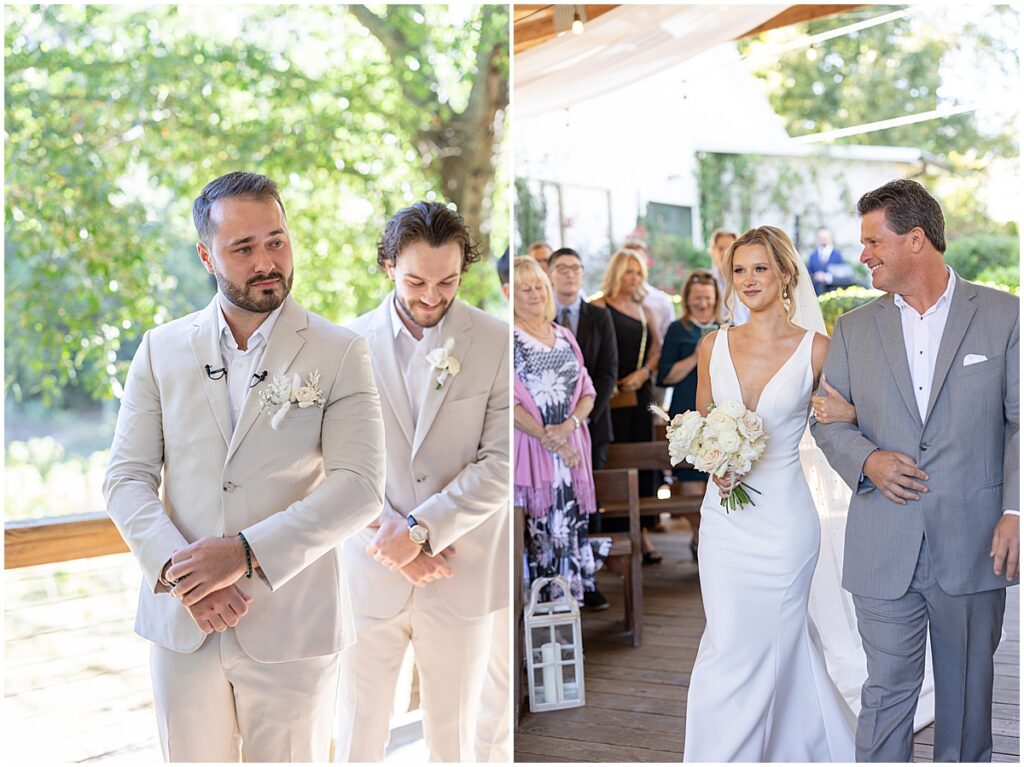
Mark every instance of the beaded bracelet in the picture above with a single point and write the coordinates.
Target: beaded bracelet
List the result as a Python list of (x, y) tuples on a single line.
[(248, 556)]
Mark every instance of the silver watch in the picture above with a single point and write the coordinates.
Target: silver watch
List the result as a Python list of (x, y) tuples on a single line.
[(418, 534)]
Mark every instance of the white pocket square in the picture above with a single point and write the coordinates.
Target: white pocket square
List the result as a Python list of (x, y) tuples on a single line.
[(974, 359)]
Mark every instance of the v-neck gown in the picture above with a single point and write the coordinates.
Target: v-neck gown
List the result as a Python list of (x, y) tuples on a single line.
[(759, 691)]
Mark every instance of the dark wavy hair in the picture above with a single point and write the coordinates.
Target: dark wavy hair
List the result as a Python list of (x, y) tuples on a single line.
[(238, 183), (431, 222), (907, 204)]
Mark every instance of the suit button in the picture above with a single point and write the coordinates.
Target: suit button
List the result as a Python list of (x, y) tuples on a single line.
[(229, 486), (923, 446), (420, 477)]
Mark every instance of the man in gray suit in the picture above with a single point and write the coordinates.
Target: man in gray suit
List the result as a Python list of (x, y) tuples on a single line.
[(933, 535)]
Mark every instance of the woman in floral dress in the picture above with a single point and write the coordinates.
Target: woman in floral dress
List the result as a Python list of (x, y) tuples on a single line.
[(554, 394)]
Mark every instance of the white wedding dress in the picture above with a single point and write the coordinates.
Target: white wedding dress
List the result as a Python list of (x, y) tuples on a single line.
[(760, 690)]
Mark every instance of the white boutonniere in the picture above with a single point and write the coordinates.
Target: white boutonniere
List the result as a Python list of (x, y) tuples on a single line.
[(282, 392), (443, 362)]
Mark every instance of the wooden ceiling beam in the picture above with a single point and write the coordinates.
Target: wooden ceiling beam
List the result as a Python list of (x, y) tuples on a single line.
[(797, 14)]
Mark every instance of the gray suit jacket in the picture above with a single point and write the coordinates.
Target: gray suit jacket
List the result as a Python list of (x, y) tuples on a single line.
[(968, 444)]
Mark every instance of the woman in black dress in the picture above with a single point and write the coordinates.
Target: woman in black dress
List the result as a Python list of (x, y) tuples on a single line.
[(639, 347), (702, 313)]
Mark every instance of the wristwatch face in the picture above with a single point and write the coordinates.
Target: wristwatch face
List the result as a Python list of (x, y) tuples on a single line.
[(418, 533)]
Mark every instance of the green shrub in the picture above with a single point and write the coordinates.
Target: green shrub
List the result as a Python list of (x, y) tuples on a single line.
[(836, 303), (974, 255), (1002, 277)]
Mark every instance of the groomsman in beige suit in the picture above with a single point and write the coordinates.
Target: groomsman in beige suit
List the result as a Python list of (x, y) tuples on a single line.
[(249, 445), (426, 573)]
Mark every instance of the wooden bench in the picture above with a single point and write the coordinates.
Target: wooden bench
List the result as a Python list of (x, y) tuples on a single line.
[(618, 495), (686, 497)]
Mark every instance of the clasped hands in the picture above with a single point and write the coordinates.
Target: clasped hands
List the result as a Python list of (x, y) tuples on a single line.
[(395, 550), (206, 572), (556, 440)]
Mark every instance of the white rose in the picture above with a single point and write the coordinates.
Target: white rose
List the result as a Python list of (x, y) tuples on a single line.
[(741, 467), (729, 441), (718, 421), (305, 396), (712, 460), (750, 425), (732, 408), (749, 452), (688, 427), (454, 366)]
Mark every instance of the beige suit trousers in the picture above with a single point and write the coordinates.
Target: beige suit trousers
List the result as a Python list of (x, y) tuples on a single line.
[(219, 705), (451, 655), (494, 719)]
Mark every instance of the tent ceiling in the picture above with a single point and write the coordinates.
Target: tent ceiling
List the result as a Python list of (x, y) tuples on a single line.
[(534, 24), (625, 44)]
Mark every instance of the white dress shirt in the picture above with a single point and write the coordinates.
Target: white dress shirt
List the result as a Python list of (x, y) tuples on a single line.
[(412, 357), (922, 334), (243, 365)]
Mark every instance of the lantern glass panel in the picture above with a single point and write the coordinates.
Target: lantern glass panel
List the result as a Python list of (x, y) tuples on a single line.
[(570, 686), (544, 684), (565, 635)]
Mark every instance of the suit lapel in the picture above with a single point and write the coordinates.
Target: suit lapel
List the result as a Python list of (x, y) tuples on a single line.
[(961, 311), (205, 342), (385, 365), (282, 346), (890, 327), (457, 326), (583, 329)]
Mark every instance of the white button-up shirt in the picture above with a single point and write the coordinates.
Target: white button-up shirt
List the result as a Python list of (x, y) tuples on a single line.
[(412, 357), (243, 365), (922, 334)]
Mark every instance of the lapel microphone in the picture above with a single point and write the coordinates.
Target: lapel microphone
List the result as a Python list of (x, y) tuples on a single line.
[(260, 378), (216, 375)]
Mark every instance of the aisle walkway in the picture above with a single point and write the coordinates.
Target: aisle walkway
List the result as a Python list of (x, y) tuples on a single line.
[(636, 697)]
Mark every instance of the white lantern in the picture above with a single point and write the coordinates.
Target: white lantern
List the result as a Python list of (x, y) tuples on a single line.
[(554, 648)]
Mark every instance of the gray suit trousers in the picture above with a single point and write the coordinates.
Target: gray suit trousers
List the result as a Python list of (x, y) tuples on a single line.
[(964, 633)]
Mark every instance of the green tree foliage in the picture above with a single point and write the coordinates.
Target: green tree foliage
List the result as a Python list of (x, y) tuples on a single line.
[(882, 72), (117, 116)]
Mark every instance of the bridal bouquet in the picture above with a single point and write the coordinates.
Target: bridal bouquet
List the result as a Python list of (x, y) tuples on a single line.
[(725, 443)]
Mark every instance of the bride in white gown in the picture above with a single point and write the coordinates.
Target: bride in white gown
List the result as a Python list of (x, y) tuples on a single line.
[(760, 690)]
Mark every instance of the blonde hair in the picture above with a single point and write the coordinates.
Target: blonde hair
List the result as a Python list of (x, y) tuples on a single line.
[(784, 260), (701, 277), (612, 279), (527, 266)]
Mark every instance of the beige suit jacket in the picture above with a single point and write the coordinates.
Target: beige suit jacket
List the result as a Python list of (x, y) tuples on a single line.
[(450, 470), (178, 473)]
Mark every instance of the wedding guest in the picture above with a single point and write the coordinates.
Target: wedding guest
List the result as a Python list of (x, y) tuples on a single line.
[(639, 346), (826, 265), (433, 570), (540, 251), (592, 327), (553, 397), (234, 504), (657, 300), (736, 312), (702, 313)]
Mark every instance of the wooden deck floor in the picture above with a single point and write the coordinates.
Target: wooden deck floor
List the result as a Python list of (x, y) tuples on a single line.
[(636, 697)]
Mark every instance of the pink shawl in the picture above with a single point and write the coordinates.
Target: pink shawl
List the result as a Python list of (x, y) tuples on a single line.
[(534, 465)]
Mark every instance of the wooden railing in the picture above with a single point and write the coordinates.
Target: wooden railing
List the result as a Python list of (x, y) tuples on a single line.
[(58, 539)]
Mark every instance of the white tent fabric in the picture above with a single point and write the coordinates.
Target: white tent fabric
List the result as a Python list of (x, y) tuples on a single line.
[(622, 47)]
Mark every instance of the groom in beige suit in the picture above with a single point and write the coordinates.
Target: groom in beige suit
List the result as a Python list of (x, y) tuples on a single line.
[(434, 567), (234, 501)]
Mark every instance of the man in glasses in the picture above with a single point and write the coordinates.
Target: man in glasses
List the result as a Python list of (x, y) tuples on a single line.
[(595, 334)]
